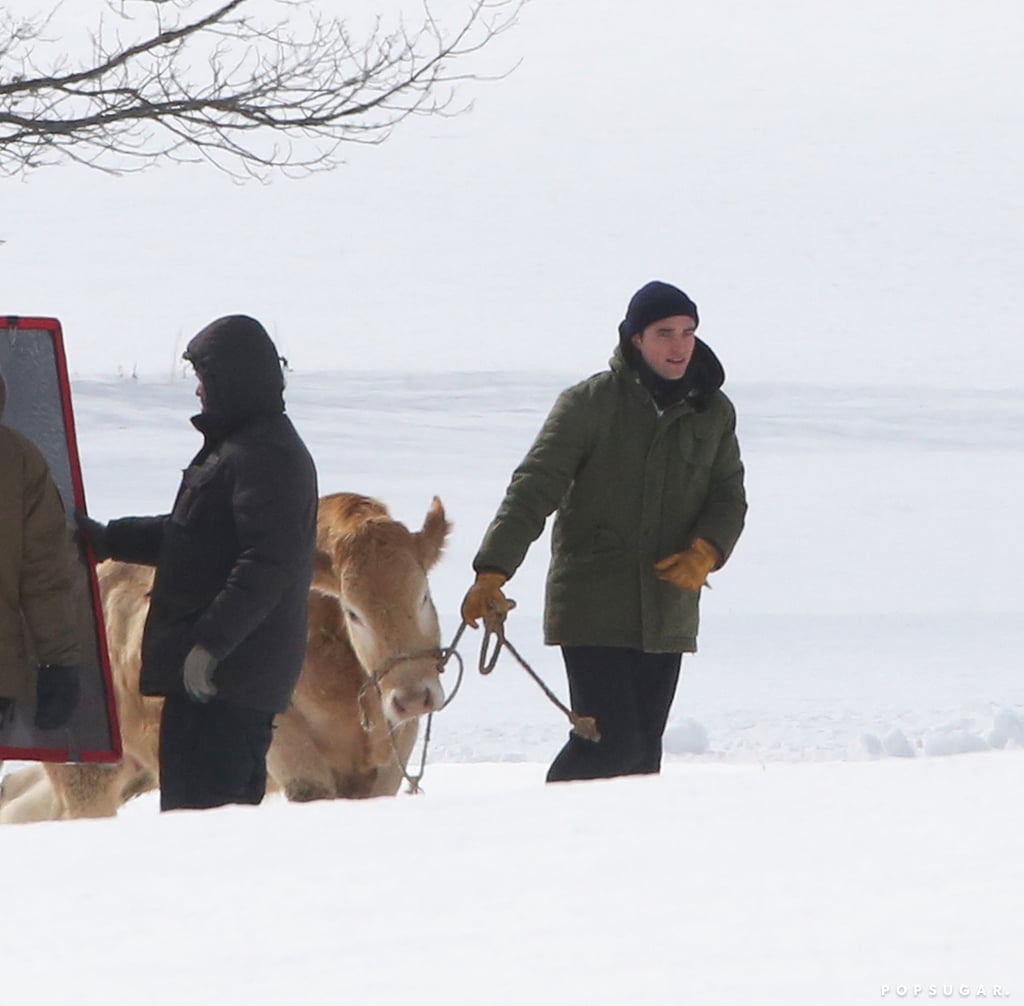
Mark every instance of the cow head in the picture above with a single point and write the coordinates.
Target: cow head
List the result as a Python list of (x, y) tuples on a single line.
[(378, 572)]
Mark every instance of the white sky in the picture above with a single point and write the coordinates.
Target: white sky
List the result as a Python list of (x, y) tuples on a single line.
[(837, 189)]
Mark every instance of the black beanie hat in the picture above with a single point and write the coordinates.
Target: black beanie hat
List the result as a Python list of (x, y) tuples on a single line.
[(651, 303)]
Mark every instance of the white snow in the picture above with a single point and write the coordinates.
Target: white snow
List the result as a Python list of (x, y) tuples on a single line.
[(839, 816)]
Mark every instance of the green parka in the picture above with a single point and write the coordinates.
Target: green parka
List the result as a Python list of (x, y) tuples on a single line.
[(36, 615), (631, 484)]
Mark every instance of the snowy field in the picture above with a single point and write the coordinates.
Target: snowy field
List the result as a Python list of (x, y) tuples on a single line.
[(865, 613), (838, 187), (810, 840)]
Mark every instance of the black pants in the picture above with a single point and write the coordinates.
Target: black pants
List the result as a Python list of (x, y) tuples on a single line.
[(212, 754), (629, 693)]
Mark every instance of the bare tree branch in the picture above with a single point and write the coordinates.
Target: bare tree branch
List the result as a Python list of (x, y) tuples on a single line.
[(206, 80)]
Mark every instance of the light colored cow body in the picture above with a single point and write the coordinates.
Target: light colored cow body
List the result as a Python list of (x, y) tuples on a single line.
[(371, 669)]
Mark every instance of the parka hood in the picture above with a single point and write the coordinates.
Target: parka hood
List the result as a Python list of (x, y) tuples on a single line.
[(704, 376), (240, 369)]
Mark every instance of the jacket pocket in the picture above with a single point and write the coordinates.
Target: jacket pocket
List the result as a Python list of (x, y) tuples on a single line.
[(195, 490), (165, 643), (593, 543), (604, 540), (695, 448)]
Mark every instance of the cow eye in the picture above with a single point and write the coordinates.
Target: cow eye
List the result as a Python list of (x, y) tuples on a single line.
[(352, 616)]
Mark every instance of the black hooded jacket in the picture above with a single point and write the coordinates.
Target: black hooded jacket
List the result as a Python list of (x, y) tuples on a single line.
[(234, 558)]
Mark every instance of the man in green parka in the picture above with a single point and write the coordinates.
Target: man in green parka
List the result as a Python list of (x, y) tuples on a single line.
[(642, 464)]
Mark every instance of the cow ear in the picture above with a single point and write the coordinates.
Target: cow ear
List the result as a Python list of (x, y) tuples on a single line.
[(431, 537), (325, 577)]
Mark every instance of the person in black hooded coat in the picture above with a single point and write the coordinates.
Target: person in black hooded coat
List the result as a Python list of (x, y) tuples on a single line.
[(225, 635)]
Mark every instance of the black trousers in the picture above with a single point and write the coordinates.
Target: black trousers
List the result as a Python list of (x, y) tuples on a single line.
[(212, 754), (629, 693)]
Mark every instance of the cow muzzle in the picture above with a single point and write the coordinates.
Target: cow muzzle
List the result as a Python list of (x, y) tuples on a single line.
[(409, 686)]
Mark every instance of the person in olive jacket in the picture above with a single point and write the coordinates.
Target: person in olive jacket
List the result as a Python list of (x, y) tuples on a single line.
[(225, 636), (643, 466), (39, 649)]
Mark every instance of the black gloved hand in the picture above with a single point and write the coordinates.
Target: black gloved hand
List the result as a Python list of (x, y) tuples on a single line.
[(94, 534), (57, 693)]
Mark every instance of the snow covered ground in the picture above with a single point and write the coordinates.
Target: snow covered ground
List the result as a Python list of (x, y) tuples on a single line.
[(712, 884), (838, 186), (874, 604), (807, 842)]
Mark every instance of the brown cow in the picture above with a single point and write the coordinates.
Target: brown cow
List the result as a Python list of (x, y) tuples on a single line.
[(371, 670)]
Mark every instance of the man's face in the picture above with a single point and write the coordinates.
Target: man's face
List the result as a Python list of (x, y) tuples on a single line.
[(667, 345), (200, 393)]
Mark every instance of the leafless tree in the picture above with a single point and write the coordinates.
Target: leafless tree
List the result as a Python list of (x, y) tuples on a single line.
[(212, 80)]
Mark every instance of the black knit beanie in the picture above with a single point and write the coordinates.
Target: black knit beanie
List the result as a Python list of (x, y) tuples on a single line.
[(651, 303)]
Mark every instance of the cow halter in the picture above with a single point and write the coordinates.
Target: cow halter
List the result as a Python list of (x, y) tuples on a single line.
[(441, 657)]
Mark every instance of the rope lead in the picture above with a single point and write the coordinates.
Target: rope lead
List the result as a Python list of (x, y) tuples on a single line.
[(491, 645)]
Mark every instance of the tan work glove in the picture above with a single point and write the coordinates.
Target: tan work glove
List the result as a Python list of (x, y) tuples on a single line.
[(689, 570), (485, 599)]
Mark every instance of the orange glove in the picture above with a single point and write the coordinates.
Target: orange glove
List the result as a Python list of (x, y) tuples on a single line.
[(485, 599), (689, 570)]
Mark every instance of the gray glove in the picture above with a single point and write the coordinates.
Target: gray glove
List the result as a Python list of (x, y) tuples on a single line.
[(94, 534), (198, 674)]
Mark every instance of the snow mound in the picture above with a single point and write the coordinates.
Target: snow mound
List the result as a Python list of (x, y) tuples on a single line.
[(896, 744), (687, 736), (1007, 727), (954, 742)]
